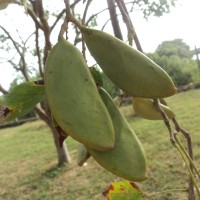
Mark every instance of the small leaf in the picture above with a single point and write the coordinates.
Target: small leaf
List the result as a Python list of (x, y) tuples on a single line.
[(97, 76), (123, 190), (20, 101), (24, 3), (4, 3)]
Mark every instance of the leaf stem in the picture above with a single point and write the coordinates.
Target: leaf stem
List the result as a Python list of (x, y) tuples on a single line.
[(188, 168), (188, 157)]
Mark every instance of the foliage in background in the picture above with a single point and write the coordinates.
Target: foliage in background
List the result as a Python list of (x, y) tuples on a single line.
[(176, 58)]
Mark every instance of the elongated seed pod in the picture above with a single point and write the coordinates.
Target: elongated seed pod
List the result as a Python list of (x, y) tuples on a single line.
[(74, 100), (128, 68), (83, 155), (127, 159), (145, 108)]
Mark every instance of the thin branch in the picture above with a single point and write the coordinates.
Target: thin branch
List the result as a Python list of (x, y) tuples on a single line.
[(63, 29), (114, 19), (74, 4), (46, 28), (166, 120), (85, 11), (42, 115), (21, 54), (69, 15), (187, 135), (78, 37), (105, 24), (3, 90), (96, 14), (57, 19), (174, 142), (12, 40), (14, 65), (189, 170), (131, 31), (190, 152), (83, 22), (34, 18), (38, 51), (28, 38)]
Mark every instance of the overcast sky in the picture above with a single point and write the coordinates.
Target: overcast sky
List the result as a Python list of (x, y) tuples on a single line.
[(182, 22)]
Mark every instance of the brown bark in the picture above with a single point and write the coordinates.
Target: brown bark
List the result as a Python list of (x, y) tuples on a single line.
[(62, 151), (114, 20), (127, 20)]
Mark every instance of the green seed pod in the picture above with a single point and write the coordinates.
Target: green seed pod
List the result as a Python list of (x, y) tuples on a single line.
[(74, 100), (145, 108), (127, 159), (128, 68), (83, 155)]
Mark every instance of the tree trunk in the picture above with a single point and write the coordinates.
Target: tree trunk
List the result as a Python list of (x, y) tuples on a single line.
[(62, 151)]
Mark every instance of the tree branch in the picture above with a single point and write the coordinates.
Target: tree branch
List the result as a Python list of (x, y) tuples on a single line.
[(46, 29), (74, 4), (57, 19), (38, 51), (96, 14), (78, 37), (21, 54), (190, 151), (34, 18), (42, 115), (85, 11), (3, 90), (131, 31), (114, 19), (191, 154)]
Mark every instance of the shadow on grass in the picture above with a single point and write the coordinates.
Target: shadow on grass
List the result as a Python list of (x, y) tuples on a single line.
[(55, 171)]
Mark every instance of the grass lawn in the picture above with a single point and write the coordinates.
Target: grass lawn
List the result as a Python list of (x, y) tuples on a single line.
[(28, 159)]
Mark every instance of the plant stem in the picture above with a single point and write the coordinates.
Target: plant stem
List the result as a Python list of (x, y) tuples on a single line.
[(188, 157), (85, 11), (114, 19), (188, 167), (166, 120), (70, 17), (127, 20), (173, 141), (190, 150)]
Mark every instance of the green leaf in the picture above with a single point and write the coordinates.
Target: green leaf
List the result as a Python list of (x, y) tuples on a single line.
[(97, 76), (4, 3), (24, 3), (123, 190), (21, 100)]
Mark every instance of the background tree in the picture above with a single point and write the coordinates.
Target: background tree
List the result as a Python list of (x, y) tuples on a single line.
[(176, 58)]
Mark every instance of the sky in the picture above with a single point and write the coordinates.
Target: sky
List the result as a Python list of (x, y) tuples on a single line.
[(182, 22)]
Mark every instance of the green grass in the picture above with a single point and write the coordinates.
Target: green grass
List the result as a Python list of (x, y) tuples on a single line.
[(28, 159)]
